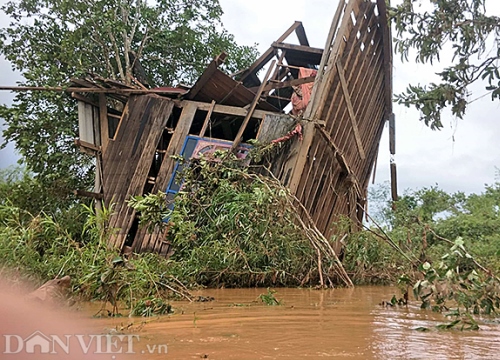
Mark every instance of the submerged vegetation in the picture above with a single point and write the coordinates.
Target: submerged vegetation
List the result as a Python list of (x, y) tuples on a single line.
[(443, 248)]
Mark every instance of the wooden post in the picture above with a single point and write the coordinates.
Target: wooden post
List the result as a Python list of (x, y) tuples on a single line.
[(255, 101), (103, 120), (394, 182), (207, 119), (392, 134)]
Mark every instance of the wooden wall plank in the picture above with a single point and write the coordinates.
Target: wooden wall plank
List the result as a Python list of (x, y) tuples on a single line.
[(145, 241), (128, 158), (159, 113)]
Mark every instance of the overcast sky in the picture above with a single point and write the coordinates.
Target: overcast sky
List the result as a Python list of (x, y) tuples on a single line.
[(463, 156)]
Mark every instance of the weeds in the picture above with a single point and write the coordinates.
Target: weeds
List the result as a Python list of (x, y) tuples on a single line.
[(37, 248), (269, 298), (151, 306)]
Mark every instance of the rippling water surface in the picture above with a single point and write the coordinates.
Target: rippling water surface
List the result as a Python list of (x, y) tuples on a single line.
[(312, 324)]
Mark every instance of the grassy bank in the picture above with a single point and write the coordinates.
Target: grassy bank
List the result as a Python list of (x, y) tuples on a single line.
[(234, 228)]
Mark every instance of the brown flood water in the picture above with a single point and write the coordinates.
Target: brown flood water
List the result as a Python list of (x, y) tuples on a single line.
[(312, 324)]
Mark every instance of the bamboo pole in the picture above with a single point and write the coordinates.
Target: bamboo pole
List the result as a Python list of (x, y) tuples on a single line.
[(85, 90)]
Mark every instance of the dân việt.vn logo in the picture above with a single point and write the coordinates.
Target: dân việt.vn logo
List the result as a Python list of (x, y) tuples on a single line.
[(40, 343)]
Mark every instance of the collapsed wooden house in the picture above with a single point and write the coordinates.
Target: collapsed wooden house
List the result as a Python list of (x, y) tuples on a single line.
[(328, 170)]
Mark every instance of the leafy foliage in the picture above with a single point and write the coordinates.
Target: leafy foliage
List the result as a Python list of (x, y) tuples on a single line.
[(53, 41), (456, 278), (233, 228), (444, 275), (430, 27), (269, 298)]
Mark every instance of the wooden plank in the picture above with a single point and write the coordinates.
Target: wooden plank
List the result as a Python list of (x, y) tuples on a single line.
[(116, 159), (353, 64), (298, 162), (93, 90), (368, 100), (290, 83), (336, 100), (373, 141), (122, 156), (157, 118), (103, 120), (362, 24), (207, 119), (374, 169), (301, 48), (277, 71), (338, 154), (352, 116), (251, 110), (336, 209), (323, 91), (366, 91), (149, 241), (207, 74)]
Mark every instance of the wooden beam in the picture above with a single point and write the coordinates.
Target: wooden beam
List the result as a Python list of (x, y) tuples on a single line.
[(301, 48), (86, 147), (350, 108), (338, 155), (94, 90), (251, 110), (89, 194), (225, 109), (84, 99), (301, 35), (277, 70), (290, 83), (375, 162), (326, 51), (103, 120)]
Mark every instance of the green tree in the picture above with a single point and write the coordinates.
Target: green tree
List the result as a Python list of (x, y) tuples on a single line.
[(53, 41), (430, 26)]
